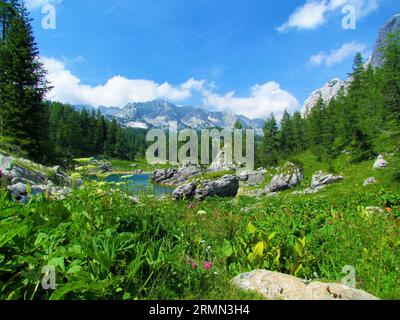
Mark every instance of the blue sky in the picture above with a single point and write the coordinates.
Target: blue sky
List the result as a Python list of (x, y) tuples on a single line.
[(249, 56)]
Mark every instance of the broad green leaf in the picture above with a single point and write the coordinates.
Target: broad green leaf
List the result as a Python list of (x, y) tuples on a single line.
[(259, 249), (251, 228), (227, 249)]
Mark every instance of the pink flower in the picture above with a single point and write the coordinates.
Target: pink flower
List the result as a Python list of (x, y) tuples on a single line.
[(191, 206), (207, 265), (194, 265)]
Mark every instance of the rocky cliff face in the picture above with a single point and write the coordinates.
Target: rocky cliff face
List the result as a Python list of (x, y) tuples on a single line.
[(392, 26), (327, 92)]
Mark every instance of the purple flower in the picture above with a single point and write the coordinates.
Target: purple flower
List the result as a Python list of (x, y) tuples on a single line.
[(192, 206), (208, 265)]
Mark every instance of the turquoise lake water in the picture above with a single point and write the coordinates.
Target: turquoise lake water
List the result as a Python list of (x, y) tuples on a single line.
[(140, 184)]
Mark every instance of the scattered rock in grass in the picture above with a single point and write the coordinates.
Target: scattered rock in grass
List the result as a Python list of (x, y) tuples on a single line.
[(380, 163), (290, 176), (369, 181), (320, 179), (279, 286), (133, 200)]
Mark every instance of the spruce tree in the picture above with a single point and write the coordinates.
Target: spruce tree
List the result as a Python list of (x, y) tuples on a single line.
[(23, 118), (270, 143), (391, 74)]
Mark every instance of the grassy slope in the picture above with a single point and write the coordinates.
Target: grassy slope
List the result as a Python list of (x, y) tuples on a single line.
[(104, 247)]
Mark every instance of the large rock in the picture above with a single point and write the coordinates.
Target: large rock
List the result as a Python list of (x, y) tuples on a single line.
[(278, 286), (186, 191), (392, 26), (162, 175), (380, 163), (320, 179), (290, 176), (227, 186), (175, 176), (252, 178)]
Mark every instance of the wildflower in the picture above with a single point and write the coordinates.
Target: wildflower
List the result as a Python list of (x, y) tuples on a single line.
[(194, 266), (192, 206), (208, 265)]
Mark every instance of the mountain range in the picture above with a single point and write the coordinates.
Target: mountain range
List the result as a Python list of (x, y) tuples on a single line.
[(158, 114)]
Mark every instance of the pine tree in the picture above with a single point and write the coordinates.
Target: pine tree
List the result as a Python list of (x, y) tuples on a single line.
[(286, 135), (23, 84), (270, 143), (391, 74)]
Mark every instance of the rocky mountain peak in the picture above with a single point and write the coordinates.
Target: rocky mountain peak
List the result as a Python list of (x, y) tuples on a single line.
[(327, 93), (392, 26)]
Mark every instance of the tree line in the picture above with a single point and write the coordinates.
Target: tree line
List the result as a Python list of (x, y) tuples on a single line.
[(367, 107), (44, 131), (73, 134)]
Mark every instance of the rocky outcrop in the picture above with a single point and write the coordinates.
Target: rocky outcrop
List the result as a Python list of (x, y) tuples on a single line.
[(392, 26), (25, 178), (320, 179), (175, 176), (92, 166), (227, 186), (290, 176), (380, 163), (279, 286), (186, 191), (327, 93), (252, 178)]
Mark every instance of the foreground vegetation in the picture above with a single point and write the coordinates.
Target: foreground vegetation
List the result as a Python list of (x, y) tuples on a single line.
[(105, 247)]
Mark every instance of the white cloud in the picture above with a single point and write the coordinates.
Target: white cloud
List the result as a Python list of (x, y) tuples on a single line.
[(119, 91), (264, 99), (309, 16), (35, 4), (313, 13), (338, 55)]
